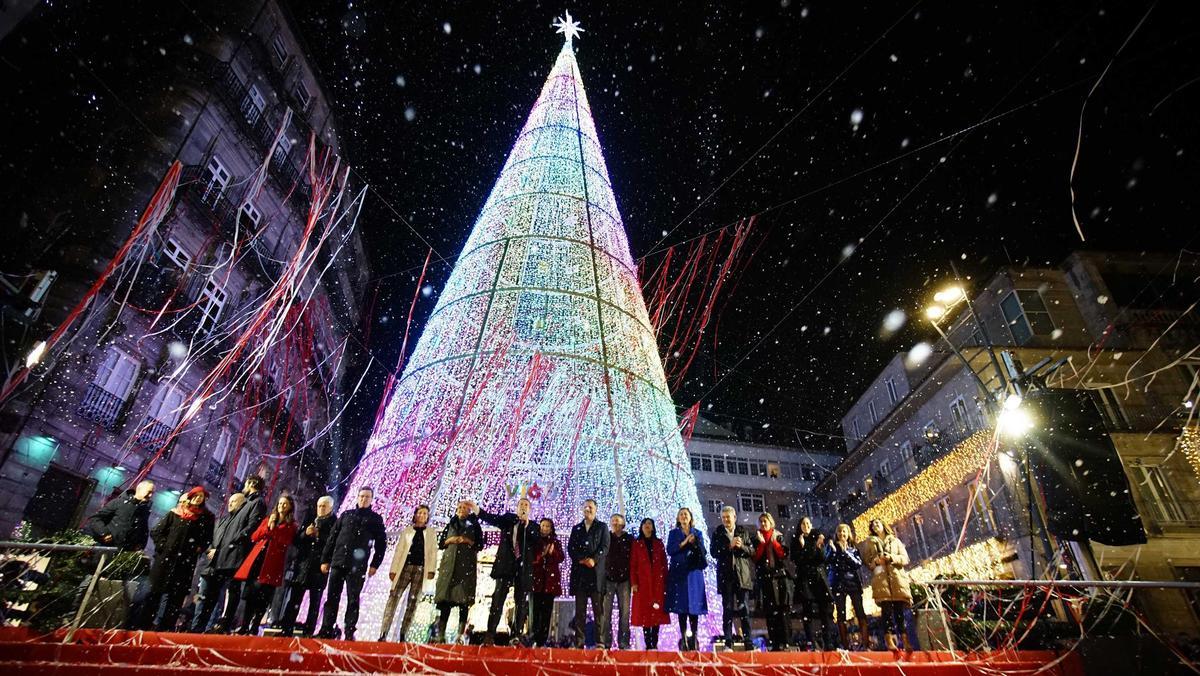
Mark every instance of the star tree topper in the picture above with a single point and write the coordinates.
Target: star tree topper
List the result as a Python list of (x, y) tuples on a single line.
[(568, 27)]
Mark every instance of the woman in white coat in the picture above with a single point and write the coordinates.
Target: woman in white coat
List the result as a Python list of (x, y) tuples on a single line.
[(413, 564)]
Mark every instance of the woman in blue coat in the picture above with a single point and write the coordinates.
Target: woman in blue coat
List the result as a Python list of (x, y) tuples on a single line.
[(685, 577)]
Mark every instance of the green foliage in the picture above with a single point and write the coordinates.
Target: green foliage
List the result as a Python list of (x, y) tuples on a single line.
[(55, 599)]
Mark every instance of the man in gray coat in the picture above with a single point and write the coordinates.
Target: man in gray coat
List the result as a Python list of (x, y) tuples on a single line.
[(241, 527), (735, 575), (224, 557)]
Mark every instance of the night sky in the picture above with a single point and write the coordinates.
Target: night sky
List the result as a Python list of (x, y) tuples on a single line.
[(909, 135)]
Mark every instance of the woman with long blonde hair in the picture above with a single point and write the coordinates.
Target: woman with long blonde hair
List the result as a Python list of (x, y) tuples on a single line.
[(845, 569)]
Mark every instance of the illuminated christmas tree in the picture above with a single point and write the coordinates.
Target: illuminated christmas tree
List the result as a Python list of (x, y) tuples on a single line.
[(538, 371)]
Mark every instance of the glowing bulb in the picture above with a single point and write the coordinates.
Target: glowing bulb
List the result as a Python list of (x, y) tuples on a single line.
[(35, 355), (1014, 422), (950, 295), (1013, 402), (934, 312)]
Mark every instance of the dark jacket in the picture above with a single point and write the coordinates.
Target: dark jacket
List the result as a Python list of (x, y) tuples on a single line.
[(230, 551), (307, 551), (547, 568), (812, 578), (844, 568), (616, 560), (245, 521), (177, 543), (587, 543), (353, 535), (507, 564), (125, 518), (735, 567)]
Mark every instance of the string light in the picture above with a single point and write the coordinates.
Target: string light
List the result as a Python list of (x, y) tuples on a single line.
[(934, 481), (1189, 443), (538, 372)]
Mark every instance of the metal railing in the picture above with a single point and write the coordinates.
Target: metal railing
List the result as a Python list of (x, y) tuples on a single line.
[(101, 407), (39, 561)]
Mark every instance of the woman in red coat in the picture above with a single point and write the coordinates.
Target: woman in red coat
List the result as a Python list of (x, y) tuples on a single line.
[(547, 580), (264, 566), (648, 582)]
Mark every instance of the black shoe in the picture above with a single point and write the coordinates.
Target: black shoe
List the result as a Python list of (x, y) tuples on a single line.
[(349, 636), (326, 633)]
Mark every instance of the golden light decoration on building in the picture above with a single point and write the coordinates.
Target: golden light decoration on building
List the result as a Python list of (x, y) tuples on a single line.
[(982, 560), (1189, 443), (963, 461)]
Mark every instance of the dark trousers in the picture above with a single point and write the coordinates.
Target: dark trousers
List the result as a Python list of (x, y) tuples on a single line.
[(580, 623), (353, 582), (893, 617), (210, 597), (818, 622), (520, 589), (735, 602), (650, 636), (233, 599), (292, 609), (543, 607), (257, 597), (166, 587)]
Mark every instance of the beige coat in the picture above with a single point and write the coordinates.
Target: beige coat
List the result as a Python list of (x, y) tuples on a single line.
[(403, 543), (889, 581)]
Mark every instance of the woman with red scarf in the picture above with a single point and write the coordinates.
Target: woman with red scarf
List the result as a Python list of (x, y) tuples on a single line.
[(648, 581), (180, 538), (262, 571), (770, 557), (547, 580)]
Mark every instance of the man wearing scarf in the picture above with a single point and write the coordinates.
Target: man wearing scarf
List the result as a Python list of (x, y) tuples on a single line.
[(180, 538)]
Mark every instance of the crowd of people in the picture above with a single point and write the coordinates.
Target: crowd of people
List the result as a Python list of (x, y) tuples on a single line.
[(254, 555)]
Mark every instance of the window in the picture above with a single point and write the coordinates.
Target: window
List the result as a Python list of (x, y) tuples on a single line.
[(758, 468), (719, 464), (931, 432), (810, 474), (893, 393), (216, 180), (743, 468), (874, 412), (253, 105), (1109, 403), (176, 254), (774, 470), (858, 435), (752, 503), (1026, 315), (706, 463), (714, 506), (117, 373), (303, 97), (279, 50), (250, 215), (282, 149), (948, 527), (981, 506), (212, 301), (918, 526), (958, 412), (885, 468), (695, 463), (907, 458), (221, 450), (1158, 495), (784, 512), (167, 405)]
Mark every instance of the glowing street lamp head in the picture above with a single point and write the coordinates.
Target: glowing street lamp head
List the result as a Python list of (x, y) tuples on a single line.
[(950, 295), (35, 355), (934, 312), (1014, 420)]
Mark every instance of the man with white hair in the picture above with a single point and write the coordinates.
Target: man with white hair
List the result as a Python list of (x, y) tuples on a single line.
[(306, 568), (221, 562), (125, 521)]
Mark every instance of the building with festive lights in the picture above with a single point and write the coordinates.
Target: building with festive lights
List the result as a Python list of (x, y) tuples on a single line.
[(922, 453), (232, 98), (538, 372)]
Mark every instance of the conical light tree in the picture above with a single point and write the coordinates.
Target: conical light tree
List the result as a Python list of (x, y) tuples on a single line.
[(537, 373)]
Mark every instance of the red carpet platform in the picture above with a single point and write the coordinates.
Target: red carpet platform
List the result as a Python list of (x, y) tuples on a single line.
[(120, 652)]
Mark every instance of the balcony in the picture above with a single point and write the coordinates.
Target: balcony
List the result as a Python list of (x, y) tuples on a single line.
[(215, 473), (152, 435), (101, 407)]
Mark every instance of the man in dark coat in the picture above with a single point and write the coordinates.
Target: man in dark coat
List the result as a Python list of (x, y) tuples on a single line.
[(125, 521), (308, 547), (810, 553), (518, 539), (616, 584), (224, 557), (345, 560), (735, 576), (587, 547), (241, 528)]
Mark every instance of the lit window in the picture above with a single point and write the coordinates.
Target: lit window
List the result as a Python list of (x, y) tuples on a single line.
[(1026, 315), (1158, 494), (981, 505), (918, 526), (212, 301), (167, 405), (948, 527), (1109, 402)]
